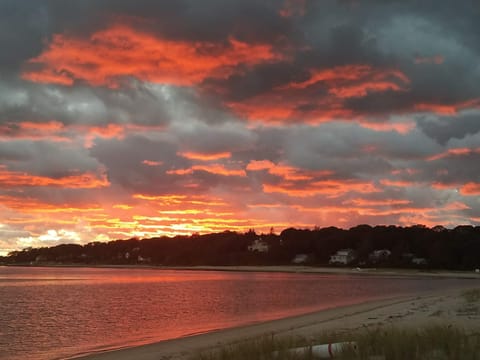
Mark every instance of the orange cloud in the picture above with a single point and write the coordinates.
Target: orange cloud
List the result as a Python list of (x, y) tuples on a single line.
[(123, 51), (256, 165), (169, 199), (360, 90), (50, 130), (436, 59), (297, 100), (82, 180), (29, 205), (122, 206), (400, 127), (177, 199), (454, 152), (205, 157), (385, 202), (353, 80), (283, 107), (408, 171), (470, 189), (46, 126), (285, 171), (152, 163), (57, 131), (331, 188), (442, 186), (107, 132), (290, 173), (448, 109), (346, 72), (397, 183), (217, 169), (456, 205), (437, 108)]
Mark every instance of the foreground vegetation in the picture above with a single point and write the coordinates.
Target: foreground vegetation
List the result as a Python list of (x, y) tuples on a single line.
[(440, 248), (428, 343)]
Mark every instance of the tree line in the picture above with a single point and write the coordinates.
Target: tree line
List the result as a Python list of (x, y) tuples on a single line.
[(442, 248)]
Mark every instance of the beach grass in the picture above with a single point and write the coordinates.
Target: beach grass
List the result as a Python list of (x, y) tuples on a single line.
[(390, 343)]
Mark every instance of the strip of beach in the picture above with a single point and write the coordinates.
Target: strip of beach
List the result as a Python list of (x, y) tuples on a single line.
[(413, 310)]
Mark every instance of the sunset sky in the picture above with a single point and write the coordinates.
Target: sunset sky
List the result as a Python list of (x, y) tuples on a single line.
[(145, 118)]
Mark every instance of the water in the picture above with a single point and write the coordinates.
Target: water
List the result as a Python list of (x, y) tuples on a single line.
[(49, 313)]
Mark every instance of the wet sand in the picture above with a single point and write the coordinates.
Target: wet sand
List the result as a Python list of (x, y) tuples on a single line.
[(447, 307)]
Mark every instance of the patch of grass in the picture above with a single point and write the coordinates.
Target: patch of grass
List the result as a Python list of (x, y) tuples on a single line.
[(428, 343), (471, 295)]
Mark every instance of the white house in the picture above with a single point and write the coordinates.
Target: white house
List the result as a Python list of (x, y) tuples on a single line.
[(142, 259), (419, 261), (343, 257), (379, 255), (258, 245), (300, 259)]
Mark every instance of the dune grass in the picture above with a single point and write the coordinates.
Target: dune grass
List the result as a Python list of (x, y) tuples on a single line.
[(428, 343)]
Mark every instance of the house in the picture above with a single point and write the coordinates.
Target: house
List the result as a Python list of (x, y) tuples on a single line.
[(143, 260), (343, 257), (419, 261), (377, 256), (300, 259), (41, 258), (258, 245)]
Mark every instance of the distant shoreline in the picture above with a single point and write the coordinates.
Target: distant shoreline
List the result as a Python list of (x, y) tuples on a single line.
[(390, 272), (439, 307)]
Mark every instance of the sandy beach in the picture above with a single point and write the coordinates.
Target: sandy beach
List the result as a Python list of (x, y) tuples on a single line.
[(447, 307)]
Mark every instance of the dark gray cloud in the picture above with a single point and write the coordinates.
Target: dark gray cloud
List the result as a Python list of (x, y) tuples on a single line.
[(22, 29), (444, 128), (136, 104), (208, 139), (46, 158), (452, 170), (126, 167), (213, 20), (124, 161)]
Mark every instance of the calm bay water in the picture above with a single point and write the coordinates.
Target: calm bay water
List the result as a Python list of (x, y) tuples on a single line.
[(50, 313)]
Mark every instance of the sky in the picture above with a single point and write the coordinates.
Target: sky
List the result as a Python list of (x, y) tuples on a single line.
[(122, 118)]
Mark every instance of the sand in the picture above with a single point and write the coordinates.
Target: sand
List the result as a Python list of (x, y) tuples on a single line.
[(447, 307)]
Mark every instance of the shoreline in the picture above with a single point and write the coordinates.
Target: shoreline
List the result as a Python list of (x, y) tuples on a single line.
[(388, 272), (442, 307)]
